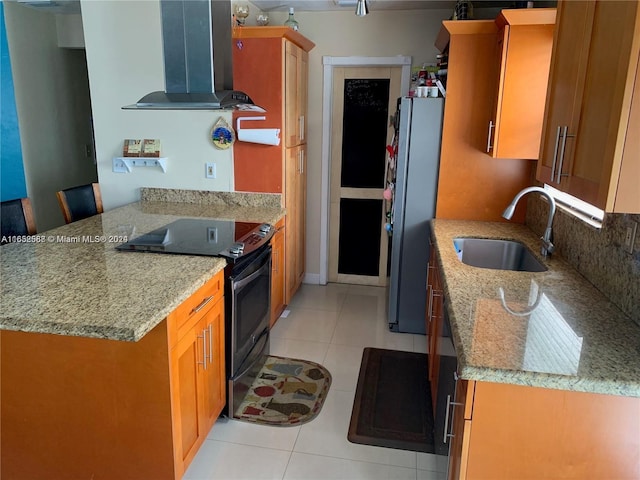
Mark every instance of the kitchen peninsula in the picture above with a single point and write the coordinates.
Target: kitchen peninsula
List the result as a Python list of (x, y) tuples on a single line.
[(549, 369), (86, 336)]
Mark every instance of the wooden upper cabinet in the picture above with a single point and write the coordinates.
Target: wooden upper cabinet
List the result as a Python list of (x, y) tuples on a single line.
[(525, 40), (589, 148), (296, 67), (270, 65)]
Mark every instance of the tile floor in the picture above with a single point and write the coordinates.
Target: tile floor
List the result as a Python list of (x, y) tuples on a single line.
[(330, 325)]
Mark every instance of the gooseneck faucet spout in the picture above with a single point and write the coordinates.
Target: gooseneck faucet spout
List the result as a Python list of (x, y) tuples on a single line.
[(547, 246)]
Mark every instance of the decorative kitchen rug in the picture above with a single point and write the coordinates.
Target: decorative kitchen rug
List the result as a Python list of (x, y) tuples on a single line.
[(392, 406), (285, 393)]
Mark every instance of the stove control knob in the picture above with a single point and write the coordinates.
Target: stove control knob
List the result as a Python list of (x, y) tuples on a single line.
[(236, 248), (265, 228)]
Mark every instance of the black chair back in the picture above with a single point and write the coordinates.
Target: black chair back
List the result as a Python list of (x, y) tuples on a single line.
[(16, 218), (81, 202)]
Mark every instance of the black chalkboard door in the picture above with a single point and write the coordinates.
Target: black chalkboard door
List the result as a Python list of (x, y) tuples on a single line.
[(363, 101)]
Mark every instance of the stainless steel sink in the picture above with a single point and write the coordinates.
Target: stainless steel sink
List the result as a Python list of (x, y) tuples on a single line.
[(497, 254)]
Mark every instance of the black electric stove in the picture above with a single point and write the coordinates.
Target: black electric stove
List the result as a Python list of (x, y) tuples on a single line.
[(200, 236)]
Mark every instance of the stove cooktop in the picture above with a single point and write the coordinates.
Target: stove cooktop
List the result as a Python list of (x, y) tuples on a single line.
[(190, 236)]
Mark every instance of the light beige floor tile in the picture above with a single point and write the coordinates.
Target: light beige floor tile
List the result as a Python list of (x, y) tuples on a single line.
[(230, 461), (244, 433), (320, 297), (366, 331), (428, 461), (343, 361), (313, 467), (300, 349), (309, 325), (366, 304), (431, 475), (326, 435), (368, 290)]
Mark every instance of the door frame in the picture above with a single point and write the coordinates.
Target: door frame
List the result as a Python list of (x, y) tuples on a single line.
[(328, 65)]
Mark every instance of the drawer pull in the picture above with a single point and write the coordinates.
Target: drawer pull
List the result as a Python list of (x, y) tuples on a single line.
[(446, 419), (202, 304)]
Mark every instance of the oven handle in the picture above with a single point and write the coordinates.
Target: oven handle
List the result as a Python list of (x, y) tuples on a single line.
[(264, 336), (235, 286)]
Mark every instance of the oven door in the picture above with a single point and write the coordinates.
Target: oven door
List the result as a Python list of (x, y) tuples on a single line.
[(250, 307)]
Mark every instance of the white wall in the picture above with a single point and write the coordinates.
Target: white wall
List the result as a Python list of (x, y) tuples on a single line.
[(124, 57), (52, 101)]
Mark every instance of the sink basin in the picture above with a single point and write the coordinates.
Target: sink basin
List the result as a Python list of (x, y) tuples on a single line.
[(497, 254)]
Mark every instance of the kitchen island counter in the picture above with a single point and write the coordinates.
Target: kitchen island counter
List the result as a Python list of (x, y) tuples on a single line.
[(548, 329), (73, 281)]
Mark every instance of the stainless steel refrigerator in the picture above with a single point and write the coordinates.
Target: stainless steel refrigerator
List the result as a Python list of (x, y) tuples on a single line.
[(418, 135)]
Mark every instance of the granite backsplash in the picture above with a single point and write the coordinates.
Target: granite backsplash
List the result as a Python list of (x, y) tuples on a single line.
[(598, 254)]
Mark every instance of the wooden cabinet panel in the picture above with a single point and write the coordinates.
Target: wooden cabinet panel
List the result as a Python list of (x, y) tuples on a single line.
[(587, 143), (198, 389), (286, 77), (277, 272), (214, 375), (525, 41), (295, 220), (435, 321), (187, 384), (296, 60), (471, 184), (503, 431)]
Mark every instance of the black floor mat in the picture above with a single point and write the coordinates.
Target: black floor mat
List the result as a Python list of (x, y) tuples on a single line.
[(392, 407)]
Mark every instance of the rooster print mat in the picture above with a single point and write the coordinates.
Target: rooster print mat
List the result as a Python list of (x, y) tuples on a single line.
[(286, 392)]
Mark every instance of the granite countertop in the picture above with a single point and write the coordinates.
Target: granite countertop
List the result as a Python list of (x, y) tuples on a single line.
[(554, 329), (70, 285)]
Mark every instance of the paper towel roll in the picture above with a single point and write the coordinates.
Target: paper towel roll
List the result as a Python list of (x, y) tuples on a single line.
[(266, 136)]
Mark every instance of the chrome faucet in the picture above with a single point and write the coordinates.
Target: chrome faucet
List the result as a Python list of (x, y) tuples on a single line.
[(547, 246)]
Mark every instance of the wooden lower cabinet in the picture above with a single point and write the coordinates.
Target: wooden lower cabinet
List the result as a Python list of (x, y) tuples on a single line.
[(435, 320), (503, 431), (197, 383), (277, 273), (296, 200), (78, 407)]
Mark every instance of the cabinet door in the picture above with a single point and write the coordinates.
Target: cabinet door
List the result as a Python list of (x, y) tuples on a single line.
[(212, 326), (187, 361), (301, 208), (295, 205), (525, 57), (606, 101), (277, 273), (292, 95), (564, 93), (460, 426)]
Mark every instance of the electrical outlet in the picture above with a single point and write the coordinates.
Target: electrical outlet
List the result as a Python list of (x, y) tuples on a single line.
[(210, 170), (630, 237), (119, 166)]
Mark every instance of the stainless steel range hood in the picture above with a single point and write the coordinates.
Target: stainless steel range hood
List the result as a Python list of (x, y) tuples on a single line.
[(196, 41)]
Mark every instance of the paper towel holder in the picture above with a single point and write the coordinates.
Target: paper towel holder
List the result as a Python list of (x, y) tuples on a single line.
[(265, 136)]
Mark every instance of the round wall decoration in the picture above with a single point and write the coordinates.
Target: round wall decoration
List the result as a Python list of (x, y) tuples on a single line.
[(222, 135)]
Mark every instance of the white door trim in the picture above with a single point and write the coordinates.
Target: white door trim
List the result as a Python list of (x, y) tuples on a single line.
[(329, 63)]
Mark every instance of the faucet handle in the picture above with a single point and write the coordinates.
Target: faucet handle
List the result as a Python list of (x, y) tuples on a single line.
[(547, 247)]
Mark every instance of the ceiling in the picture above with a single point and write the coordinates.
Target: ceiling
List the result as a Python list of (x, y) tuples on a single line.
[(324, 5)]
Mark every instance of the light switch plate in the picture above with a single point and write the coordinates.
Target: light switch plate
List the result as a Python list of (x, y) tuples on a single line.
[(210, 170)]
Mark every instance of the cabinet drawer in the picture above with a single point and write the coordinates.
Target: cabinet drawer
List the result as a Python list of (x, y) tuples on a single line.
[(188, 312)]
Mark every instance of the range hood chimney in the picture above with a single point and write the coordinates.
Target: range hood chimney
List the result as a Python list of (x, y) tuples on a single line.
[(196, 45)]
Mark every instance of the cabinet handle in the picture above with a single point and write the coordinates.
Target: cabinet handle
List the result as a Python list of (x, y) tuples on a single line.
[(446, 419), (210, 344), (430, 304), (564, 144), (555, 153), (301, 121), (276, 262), (202, 304), (204, 349), (491, 127), (301, 157)]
